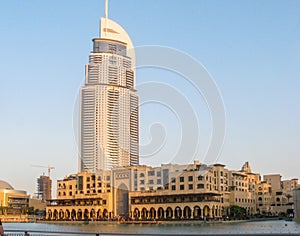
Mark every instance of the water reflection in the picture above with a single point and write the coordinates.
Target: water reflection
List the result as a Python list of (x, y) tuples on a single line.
[(262, 227)]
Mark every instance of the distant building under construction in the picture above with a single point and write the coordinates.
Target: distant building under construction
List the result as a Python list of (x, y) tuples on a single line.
[(44, 187)]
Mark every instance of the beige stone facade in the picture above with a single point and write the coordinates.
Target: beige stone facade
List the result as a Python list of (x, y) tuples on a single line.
[(82, 196), (168, 192)]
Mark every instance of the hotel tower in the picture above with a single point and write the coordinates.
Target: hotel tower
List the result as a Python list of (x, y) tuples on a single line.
[(109, 114)]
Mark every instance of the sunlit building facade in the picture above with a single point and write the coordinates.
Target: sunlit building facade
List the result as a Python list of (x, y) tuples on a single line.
[(109, 114), (12, 202)]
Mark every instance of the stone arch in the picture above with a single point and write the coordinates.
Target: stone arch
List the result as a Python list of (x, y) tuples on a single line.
[(144, 213), (217, 211), (55, 214), (99, 214), (152, 213), (92, 214), (206, 210), (169, 213), (277, 199), (61, 214), (222, 211), (136, 213), (105, 214), (79, 214), (187, 212), (49, 216), (160, 213), (213, 211), (178, 212), (122, 199), (86, 214), (73, 214), (197, 212), (67, 214)]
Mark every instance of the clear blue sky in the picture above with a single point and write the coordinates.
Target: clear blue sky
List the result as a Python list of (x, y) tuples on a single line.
[(251, 48)]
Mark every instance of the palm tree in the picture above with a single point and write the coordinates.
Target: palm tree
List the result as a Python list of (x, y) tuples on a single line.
[(288, 197)]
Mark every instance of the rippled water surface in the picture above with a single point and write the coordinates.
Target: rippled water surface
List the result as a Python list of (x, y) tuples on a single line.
[(260, 227)]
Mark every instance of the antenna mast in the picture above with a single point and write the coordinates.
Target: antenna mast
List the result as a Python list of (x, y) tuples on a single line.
[(106, 9)]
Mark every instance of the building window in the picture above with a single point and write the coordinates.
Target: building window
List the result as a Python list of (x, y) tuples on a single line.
[(151, 173), (173, 187), (173, 180), (200, 177), (142, 175), (88, 179), (182, 187), (190, 186), (151, 181), (80, 183), (190, 178), (142, 181), (181, 179), (158, 174), (159, 181), (199, 186)]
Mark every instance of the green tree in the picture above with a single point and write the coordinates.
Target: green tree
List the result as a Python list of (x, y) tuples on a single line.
[(289, 196), (237, 212)]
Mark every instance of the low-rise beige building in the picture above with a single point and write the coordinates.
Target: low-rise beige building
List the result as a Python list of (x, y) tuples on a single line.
[(82, 196), (168, 192)]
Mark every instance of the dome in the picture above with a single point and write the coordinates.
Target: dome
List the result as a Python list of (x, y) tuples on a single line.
[(5, 185)]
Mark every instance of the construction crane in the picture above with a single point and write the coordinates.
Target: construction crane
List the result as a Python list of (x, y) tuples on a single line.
[(48, 167)]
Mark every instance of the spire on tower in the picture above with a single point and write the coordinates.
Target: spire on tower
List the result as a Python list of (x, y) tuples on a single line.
[(106, 9)]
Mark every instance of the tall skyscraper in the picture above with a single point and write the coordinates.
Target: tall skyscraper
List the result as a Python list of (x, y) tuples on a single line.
[(109, 114)]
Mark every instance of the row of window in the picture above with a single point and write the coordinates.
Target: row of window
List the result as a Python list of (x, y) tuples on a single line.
[(190, 187), (244, 200)]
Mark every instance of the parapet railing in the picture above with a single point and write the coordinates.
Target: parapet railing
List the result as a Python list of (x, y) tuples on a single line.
[(53, 233)]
